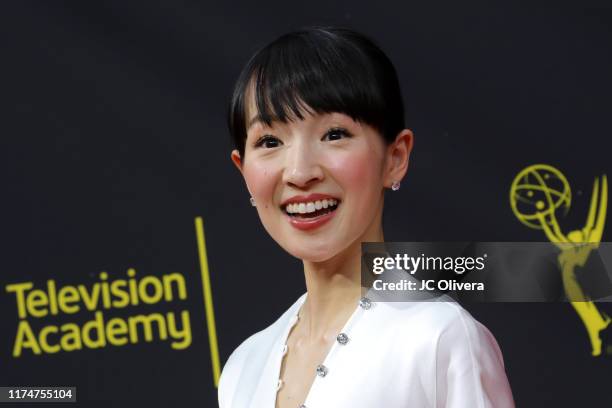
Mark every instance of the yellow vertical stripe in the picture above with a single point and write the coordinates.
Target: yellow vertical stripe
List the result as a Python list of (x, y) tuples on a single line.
[(208, 303)]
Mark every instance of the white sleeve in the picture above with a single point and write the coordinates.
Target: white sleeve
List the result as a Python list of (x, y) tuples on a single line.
[(469, 367)]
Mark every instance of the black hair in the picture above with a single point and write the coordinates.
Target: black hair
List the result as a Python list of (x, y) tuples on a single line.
[(326, 69)]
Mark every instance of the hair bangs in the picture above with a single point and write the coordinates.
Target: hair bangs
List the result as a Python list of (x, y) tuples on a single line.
[(315, 71)]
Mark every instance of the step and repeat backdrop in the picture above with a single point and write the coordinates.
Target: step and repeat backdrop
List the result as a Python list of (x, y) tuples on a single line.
[(132, 262)]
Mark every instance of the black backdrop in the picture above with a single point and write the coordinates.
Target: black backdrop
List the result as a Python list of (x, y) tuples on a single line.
[(113, 140)]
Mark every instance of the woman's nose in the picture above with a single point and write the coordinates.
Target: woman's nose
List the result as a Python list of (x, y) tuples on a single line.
[(302, 167)]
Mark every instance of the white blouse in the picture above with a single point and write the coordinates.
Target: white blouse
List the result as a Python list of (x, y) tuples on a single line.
[(388, 354)]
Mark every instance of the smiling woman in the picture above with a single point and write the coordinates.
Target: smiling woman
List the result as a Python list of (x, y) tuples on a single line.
[(317, 119)]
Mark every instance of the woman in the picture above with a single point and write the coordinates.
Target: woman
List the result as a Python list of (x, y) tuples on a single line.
[(317, 119)]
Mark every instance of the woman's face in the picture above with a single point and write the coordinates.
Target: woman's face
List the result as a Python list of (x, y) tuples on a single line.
[(313, 163)]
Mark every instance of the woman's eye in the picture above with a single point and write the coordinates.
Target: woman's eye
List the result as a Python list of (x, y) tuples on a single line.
[(267, 141), (337, 134)]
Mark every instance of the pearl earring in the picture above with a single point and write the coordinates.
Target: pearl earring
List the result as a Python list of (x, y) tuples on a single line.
[(252, 201), (395, 186)]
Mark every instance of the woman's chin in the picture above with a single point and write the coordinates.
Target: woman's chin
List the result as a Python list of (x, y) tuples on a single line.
[(312, 254)]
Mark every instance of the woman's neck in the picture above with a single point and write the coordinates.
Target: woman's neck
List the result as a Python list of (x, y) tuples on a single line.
[(334, 288)]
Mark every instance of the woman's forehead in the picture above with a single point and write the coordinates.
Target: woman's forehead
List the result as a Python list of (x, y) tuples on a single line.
[(255, 120), (253, 115)]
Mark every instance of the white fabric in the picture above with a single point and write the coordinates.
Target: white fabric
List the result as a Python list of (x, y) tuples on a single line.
[(399, 354)]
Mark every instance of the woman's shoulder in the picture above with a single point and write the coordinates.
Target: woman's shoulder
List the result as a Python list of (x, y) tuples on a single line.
[(271, 332), (435, 316), (252, 354), (453, 347), (440, 323)]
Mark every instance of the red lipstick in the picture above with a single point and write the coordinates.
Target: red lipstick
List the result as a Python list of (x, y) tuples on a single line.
[(307, 224)]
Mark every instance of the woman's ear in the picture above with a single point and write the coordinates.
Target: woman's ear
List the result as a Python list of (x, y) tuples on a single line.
[(235, 156), (398, 156)]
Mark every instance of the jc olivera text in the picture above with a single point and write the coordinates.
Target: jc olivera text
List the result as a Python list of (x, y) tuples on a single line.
[(428, 285)]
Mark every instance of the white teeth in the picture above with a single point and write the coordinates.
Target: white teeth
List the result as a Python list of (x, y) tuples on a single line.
[(309, 207)]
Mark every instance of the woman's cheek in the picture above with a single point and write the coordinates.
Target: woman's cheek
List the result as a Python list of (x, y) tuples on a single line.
[(260, 182), (359, 177), (357, 171)]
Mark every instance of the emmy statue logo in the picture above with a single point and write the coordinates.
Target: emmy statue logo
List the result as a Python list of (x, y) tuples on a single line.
[(537, 194)]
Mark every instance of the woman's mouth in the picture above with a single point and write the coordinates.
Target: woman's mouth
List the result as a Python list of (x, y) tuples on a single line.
[(309, 215), (311, 209)]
